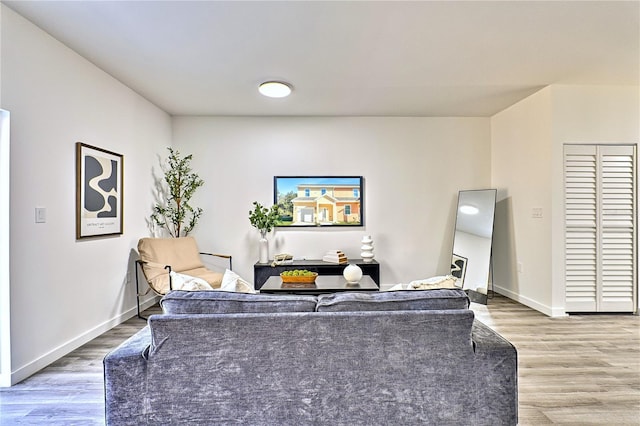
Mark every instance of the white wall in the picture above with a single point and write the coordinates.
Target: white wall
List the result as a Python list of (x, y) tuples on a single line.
[(5, 294), (520, 152), (585, 115), (413, 170), (527, 168), (65, 292)]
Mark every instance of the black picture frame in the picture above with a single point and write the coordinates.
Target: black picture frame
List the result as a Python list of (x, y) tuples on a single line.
[(459, 268), (99, 192), (319, 201)]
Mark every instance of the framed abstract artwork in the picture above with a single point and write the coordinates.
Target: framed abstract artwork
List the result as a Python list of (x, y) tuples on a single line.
[(459, 268), (99, 185), (319, 200)]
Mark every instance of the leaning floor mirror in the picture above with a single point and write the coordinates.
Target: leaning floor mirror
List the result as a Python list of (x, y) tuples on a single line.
[(472, 242)]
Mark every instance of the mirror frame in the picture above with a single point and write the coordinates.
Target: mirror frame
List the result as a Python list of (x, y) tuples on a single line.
[(459, 263)]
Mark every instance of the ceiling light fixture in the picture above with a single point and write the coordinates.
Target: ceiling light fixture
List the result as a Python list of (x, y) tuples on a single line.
[(275, 89)]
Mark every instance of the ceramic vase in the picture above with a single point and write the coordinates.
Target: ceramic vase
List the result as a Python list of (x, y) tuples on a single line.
[(367, 248), (263, 247), (352, 273)]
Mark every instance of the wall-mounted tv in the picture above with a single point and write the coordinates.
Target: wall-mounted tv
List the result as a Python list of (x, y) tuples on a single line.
[(319, 200)]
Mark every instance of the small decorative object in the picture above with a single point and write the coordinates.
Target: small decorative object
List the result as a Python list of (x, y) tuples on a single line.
[(298, 276), (99, 175), (263, 248), (352, 273), (264, 220), (282, 259), (367, 248), (174, 209)]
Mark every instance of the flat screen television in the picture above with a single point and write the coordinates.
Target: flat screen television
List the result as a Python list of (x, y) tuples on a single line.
[(306, 201)]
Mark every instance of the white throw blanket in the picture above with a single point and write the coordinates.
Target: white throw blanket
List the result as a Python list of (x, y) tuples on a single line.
[(444, 281)]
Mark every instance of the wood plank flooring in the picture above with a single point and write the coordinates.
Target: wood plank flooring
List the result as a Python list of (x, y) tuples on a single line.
[(580, 370)]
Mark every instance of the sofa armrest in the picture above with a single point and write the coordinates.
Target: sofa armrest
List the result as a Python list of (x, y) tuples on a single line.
[(496, 374), (125, 380)]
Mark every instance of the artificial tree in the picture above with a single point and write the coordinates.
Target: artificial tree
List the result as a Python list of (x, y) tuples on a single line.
[(180, 185)]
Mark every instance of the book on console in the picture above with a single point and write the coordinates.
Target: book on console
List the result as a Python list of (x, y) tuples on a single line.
[(335, 256), (330, 259)]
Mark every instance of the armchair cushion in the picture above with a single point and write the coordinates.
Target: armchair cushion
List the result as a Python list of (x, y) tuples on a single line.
[(212, 277), (181, 254)]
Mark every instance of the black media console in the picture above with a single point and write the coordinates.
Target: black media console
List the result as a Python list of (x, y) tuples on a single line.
[(262, 271)]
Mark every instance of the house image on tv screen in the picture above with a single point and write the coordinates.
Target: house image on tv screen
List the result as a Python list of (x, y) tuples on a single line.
[(327, 205), (321, 204)]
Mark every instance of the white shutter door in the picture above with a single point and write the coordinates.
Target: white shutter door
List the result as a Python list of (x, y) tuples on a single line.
[(580, 228), (600, 223), (617, 221)]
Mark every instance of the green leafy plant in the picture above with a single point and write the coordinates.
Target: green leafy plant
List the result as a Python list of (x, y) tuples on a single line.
[(264, 219), (175, 214)]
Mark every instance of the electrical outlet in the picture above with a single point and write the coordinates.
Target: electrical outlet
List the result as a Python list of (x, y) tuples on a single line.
[(520, 267)]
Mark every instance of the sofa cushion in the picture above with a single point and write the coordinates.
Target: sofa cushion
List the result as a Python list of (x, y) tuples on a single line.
[(222, 302), (441, 299)]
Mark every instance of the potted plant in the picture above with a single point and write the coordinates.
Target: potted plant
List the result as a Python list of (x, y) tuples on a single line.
[(174, 213), (264, 220)]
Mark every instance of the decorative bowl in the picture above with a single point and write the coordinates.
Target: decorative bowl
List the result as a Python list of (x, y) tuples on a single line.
[(299, 278)]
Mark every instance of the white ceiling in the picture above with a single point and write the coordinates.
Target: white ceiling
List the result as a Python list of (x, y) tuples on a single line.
[(391, 58)]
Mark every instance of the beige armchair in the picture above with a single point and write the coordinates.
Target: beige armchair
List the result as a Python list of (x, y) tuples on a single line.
[(160, 256)]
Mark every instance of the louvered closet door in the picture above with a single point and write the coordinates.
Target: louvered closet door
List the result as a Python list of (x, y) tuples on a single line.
[(581, 240), (600, 205), (617, 221)]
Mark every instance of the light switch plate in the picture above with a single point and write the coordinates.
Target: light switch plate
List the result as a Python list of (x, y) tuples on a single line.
[(41, 215)]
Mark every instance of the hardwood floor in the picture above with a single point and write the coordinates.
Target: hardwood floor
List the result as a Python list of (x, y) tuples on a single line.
[(580, 370)]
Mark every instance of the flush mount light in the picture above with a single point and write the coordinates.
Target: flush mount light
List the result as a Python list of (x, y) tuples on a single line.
[(275, 89), (467, 209)]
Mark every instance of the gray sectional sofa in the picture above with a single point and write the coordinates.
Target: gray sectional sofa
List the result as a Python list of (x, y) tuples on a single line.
[(401, 358)]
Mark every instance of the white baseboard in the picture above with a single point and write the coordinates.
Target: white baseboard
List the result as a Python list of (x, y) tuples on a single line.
[(64, 349), (533, 304)]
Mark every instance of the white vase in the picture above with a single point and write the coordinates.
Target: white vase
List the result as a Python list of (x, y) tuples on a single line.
[(352, 273), (367, 248), (263, 247)]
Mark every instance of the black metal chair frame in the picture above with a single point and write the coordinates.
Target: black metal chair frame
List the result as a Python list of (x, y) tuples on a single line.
[(140, 263)]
